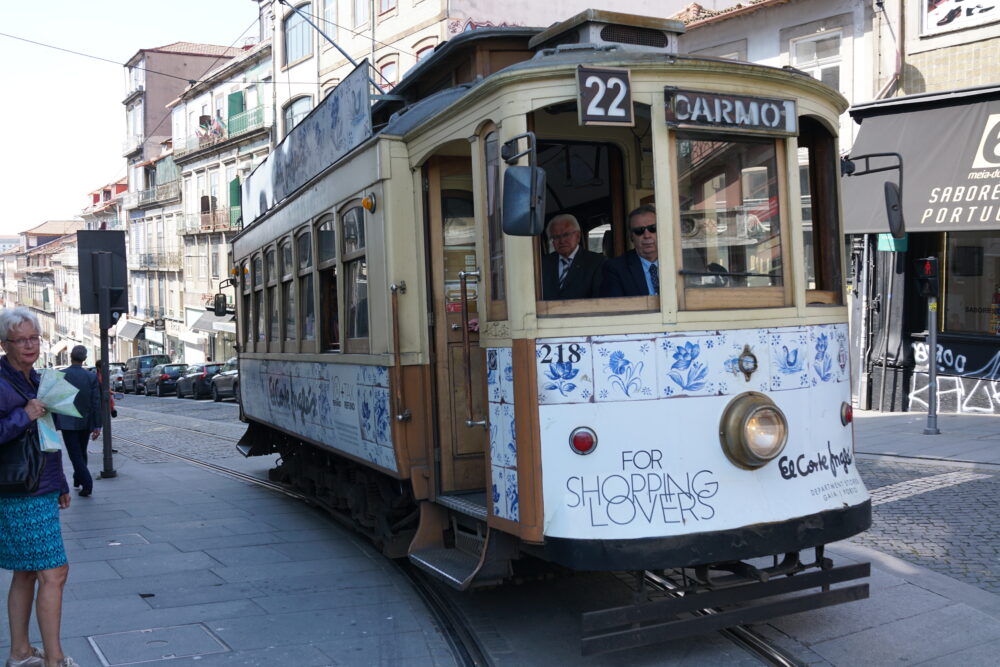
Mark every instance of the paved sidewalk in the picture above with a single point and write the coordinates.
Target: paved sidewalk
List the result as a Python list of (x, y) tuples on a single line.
[(914, 616), (174, 564)]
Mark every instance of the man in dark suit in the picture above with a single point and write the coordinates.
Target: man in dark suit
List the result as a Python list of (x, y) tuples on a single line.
[(571, 272), (78, 430), (636, 273)]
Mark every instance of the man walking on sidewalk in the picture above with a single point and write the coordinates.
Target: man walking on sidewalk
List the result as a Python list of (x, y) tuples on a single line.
[(77, 431)]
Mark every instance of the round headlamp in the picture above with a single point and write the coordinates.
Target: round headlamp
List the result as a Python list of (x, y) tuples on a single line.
[(753, 430)]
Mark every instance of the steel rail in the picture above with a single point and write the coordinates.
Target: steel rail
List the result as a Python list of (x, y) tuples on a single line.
[(741, 635), (457, 632)]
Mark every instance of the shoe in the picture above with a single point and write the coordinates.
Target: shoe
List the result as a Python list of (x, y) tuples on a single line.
[(85, 494), (36, 659), (67, 662), (950, 16)]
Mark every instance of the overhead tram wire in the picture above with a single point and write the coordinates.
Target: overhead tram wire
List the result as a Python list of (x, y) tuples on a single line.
[(344, 53)]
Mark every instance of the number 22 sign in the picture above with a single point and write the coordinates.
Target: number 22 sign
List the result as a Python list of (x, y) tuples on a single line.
[(605, 96)]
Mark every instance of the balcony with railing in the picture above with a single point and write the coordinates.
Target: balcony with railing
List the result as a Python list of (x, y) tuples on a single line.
[(238, 125), (131, 144), (219, 220), (160, 193)]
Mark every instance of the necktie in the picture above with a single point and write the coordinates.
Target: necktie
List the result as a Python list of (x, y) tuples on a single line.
[(654, 276), (563, 270)]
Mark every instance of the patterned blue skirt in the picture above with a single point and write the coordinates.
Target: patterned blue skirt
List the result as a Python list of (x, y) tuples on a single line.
[(30, 536)]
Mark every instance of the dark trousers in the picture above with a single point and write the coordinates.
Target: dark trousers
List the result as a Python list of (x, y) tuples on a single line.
[(76, 447)]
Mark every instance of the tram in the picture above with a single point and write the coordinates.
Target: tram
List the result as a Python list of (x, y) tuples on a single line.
[(399, 349)]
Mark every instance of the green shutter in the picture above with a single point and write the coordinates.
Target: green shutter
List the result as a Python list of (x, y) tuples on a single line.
[(234, 192), (235, 103)]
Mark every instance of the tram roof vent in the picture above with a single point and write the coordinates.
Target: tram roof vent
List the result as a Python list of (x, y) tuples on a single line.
[(599, 28)]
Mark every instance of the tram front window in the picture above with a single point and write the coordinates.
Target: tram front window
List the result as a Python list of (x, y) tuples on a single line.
[(728, 212)]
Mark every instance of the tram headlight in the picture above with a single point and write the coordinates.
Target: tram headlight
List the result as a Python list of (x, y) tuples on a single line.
[(753, 430)]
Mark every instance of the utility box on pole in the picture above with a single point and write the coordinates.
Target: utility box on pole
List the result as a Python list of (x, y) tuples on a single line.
[(103, 290)]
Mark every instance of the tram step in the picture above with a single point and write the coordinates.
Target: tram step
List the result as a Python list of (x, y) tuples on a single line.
[(455, 567)]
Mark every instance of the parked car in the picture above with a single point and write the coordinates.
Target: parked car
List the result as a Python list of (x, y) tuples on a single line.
[(116, 373), (227, 381), (162, 380), (137, 368), (197, 380)]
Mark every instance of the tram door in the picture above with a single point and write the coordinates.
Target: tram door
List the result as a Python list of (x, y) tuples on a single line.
[(453, 250)]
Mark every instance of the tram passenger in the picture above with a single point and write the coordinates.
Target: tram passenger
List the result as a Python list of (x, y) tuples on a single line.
[(571, 272), (636, 273)]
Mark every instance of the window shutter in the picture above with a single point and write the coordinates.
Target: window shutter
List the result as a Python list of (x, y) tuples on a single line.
[(234, 192), (235, 103)]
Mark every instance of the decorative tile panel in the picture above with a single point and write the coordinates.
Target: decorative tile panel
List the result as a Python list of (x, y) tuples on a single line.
[(565, 371), (624, 370), (502, 430), (790, 356)]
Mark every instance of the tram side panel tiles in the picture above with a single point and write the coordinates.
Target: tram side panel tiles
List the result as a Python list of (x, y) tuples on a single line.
[(343, 406), (502, 430)]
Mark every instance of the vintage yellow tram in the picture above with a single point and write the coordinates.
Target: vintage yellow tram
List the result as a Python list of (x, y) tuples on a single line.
[(400, 350)]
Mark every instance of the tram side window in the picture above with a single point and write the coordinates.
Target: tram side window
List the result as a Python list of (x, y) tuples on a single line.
[(355, 279), (326, 242), (258, 297), (307, 314), (498, 262), (246, 314), (730, 227), (818, 174), (287, 290), (272, 295)]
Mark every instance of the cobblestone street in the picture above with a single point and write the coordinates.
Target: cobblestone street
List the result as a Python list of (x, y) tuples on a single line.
[(944, 518)]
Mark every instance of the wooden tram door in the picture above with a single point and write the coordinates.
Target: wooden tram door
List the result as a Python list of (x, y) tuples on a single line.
[(453, 238)]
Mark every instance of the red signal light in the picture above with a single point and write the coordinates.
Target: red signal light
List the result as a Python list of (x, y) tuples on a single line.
[(583, 440), (846, 413)]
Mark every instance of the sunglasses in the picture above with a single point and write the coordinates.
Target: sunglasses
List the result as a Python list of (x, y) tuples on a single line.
[(639, 231)]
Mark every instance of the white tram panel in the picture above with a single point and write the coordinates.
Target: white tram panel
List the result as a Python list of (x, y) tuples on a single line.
[(342, 406), (655, 403)]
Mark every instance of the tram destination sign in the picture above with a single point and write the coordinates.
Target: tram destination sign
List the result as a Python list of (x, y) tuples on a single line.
[(693, 108), (605, 96)]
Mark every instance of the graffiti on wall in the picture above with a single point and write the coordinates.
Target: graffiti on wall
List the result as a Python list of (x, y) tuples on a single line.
[(959, 389)]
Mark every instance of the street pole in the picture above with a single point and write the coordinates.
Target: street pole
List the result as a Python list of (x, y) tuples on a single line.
[(932, 427), (102, 262)]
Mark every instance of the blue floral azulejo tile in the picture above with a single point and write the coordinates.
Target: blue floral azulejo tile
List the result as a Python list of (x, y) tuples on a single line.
[(503, 447), (504, 493), (381, 421), (624, 370), (493, 375), (790, 358), (564, 370), (505, 369), (366, 413), (691, 365), (746, 352)]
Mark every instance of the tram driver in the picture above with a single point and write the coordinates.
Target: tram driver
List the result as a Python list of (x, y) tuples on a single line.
[(571, 271), (637, 272)]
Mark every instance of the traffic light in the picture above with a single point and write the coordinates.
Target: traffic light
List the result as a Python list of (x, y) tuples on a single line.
[(927, 276)]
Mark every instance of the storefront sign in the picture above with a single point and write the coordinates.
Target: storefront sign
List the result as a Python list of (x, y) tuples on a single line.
[(950, 150), (938, 16), (691, 108)]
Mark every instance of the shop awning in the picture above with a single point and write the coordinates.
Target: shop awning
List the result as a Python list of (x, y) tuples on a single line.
[(211, 323), (950, 144), (58, 346), (131, 329)]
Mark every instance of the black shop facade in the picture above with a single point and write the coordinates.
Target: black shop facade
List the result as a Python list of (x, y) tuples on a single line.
[(949, 147)]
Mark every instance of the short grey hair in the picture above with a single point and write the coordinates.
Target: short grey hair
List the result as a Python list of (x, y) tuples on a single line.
[(78, 353), (15, 317), (562, 217)]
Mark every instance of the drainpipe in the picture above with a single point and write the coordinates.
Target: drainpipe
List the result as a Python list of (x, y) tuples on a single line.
[(899, 39)]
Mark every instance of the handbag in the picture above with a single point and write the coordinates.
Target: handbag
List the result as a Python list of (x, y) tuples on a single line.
[(21, 461)]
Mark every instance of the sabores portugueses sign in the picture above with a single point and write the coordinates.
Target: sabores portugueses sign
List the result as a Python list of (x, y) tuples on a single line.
[(701, 109)]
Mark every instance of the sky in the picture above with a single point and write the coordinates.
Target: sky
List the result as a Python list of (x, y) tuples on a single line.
[(62, 113)]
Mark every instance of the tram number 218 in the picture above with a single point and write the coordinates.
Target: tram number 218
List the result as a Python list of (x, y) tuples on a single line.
[(605, 96), (560, 353)]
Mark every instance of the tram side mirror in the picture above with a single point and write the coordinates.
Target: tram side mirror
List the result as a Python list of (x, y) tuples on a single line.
[(894, 210), (219, 305), (524, 201)]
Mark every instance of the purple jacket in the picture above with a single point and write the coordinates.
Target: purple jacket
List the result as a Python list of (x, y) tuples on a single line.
[(13, 421)]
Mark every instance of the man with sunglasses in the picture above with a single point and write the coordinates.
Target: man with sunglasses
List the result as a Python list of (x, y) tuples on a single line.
[(636, 273)]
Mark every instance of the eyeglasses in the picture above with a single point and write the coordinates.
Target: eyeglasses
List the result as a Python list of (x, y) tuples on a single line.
[(25, 342), (639, 231)]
